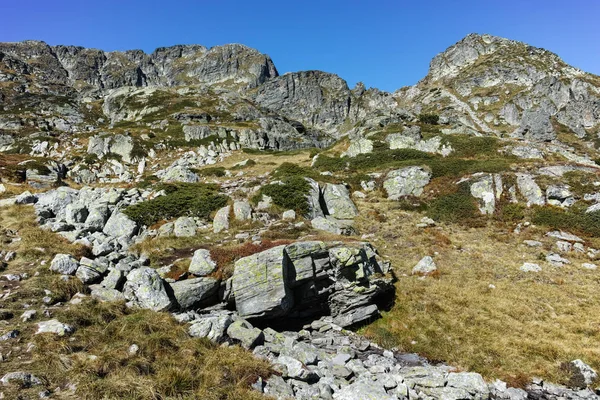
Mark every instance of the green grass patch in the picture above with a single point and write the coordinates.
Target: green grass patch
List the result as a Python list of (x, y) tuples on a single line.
[(182, 199), (210, 171)]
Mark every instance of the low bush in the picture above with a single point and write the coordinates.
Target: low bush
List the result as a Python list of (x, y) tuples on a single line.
[(290, 194), (182, 199), (211, 171), (458, 207), (557, 218), (468, 146), (430, 119)]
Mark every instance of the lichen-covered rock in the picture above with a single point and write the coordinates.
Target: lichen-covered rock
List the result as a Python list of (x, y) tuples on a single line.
[(242, 210), (211, 326), (359, 146), (221, 220), (202, 264), (582, 375), (404, 182), (245, 333), (195, 293), (487, 190), (536, 125), (425, 266), (64, 264), (120, 225), (338, 202), (146, 289), (184, 227), (530, 190), (260, 284)]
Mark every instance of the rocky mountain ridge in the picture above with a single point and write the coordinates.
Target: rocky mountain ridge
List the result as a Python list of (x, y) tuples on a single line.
[(201, 184)]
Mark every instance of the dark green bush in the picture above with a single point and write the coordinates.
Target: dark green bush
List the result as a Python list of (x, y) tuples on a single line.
[(468, 146), (182, 199), (377, 160), (511, 212), (290, 195), (91, 159), (138, 151), (430, 119), (556, 218), (456, 167), (458, 207), (211, 171)]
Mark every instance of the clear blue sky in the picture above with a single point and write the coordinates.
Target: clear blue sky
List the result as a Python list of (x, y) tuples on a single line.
[(386, 44)]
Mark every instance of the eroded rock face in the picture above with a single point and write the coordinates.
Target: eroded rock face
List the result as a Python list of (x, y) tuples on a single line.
[(303, 279)]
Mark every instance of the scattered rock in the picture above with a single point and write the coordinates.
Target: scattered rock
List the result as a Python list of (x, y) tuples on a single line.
[(202, 264), (54, 326), (530, 267), (424, 267)]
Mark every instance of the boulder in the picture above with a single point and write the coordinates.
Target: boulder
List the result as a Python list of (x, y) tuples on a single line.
[(248, 336), (530, 190), (424, 267), (289, 215), (260, 284), (64, 264), (20, 378), (54, 326), (314, 200), (221, 220), (359, 146), (242, 210), (202, 264), (338, 202), (184, 227), (146, 289), (76, 213), (487, 190), (195, 293), (581, 374), (120, 225), (211, 326), (530, 267), (404, 182)]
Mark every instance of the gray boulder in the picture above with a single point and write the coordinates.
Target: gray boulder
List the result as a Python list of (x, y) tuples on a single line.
[(64, 264), (146, 289), (202, 264), (23, 379), (195, 293), (248, 336), (221, 220), (242, 210), (260, 284), (338, 202), (119, 225), (359, 146), (424, 267), (404, 182), (582, 375), (530, 190), (54, 326), (184, 227), (212, 326)]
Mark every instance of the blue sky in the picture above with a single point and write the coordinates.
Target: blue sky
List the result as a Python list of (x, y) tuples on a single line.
[(385, 44)]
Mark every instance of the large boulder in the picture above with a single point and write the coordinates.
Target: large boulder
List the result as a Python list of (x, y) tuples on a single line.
[(195, 293), (146, 289), (404, 182), (120, 225), (221, 220), (64, 264), (338, 202), (530, 190), (202, 264), (260, 284)]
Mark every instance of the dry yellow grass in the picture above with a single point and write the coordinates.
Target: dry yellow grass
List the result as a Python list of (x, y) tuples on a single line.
[(526, 325)]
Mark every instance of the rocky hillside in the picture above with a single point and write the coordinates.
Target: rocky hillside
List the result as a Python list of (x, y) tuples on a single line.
[(288, 236)]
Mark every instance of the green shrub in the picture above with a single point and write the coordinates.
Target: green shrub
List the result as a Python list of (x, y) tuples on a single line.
[(458, 207), (182, 199), (210, 171), (114, 156), (556, 218), (138, 151), (456, 167), (468, 146), (290, 195), (377, 160), (511, 212), (430, 119), (91, 159)]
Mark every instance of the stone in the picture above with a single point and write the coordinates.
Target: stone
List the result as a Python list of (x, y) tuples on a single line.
[(338, 202), (88, 274), (359, 146), (202, 264), (530, 267), (54, 326), (566, 236), (242, 210), (114, 280), (145, 288), (221, 220), (295, 369), (314, 200), (289, 215), (425, 266), (470, 382), (556, 260), (106, 294), (363, 390), (195, 292), (120, 225), (329, 224), (248, 336), (211, 326), (26, 198), (530, 190), (20, 378), (582, 375), (486, 190), (404, 182), (527, 152), (184, 227), (260, 284), (64, 264), (278, 388), (76, 213), (559, 195), (589, 266), (97, 217)]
